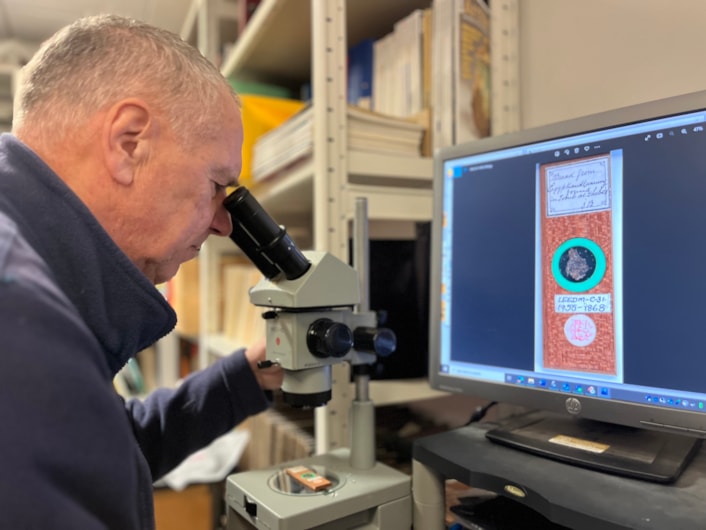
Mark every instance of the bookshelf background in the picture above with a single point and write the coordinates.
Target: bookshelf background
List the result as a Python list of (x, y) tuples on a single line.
[(13, 54), (7, 81), (625, 67), (302, 48), (552, 89)]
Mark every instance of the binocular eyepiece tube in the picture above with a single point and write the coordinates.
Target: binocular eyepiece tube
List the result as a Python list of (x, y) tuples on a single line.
[(265, 243)]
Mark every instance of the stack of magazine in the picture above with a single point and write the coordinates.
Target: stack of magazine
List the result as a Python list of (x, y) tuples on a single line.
[(292, 142)]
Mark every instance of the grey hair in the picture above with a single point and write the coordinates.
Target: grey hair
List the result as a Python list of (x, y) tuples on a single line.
[(96, 61)]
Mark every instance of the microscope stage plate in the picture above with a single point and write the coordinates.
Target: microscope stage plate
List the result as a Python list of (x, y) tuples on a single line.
[(257, 495)]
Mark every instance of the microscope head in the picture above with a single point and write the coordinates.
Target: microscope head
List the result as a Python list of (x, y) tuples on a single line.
[(310, 299)]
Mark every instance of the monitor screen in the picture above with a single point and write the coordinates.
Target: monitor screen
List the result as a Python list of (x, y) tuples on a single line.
[(569, 267)]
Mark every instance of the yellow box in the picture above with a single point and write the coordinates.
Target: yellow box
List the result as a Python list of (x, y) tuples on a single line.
[(260, 115)]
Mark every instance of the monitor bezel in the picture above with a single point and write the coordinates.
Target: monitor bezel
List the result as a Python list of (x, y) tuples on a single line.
[(629, 414)]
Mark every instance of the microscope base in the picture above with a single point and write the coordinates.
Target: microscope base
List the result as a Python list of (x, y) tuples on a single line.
[(370, 499)]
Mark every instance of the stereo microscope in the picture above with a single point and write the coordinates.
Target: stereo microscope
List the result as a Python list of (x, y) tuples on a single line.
[(316, 316)]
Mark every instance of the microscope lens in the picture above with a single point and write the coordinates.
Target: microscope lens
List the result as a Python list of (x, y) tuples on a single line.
[(266, 243)]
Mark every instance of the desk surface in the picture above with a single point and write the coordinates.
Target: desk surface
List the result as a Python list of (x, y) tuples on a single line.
[(568, 495)]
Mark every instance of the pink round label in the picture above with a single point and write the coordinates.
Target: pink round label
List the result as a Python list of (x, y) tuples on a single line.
[(580, 330)]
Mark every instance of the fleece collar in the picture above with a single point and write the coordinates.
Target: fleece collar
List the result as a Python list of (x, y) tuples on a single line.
[(118, 303)]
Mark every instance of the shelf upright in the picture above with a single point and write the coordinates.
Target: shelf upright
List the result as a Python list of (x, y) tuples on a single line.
[(328, 60), (505, 66), (208, 25)]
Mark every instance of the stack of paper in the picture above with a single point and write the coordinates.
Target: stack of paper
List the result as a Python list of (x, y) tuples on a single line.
[(368, 131)]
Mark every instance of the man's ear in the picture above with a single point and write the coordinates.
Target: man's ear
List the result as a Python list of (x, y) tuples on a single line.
[(128, 131)]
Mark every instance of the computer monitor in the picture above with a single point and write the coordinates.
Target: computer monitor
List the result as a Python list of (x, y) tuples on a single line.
[(568, 275)]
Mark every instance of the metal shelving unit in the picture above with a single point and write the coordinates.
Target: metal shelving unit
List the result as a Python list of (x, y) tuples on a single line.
[(7, 81), (290, 43), (210, 25), (13, 54)]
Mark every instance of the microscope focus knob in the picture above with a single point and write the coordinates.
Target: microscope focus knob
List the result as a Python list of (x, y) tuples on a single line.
[(327, 338), (380, 341)]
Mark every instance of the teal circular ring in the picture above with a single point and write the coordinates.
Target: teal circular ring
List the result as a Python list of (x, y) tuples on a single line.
[(588, 283)]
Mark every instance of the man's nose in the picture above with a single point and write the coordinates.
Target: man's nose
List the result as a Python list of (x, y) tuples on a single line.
[(222, 224)]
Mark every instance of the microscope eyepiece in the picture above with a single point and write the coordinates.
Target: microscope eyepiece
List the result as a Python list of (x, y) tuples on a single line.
[(266, 243)]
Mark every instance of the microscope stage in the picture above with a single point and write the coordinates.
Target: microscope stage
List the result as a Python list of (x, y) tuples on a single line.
[(267, 499)]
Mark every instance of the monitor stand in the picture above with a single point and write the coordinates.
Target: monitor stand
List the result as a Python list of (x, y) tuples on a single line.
[(632, 452)]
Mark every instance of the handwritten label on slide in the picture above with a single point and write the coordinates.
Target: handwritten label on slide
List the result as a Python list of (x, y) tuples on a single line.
[(591, 303), (580, 187)]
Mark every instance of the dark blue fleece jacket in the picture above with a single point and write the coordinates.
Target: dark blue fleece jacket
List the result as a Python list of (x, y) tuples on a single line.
[(73, 310)]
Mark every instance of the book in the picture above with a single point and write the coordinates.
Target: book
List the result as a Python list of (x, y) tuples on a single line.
[(384, 80), (368, 131), (442, 73), (427, 20), (242, 321), (408, 60), (360, 74), (399, 67), (472, 71), (460, 87)]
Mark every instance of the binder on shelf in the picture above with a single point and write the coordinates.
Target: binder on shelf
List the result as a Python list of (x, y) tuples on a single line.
[(409, 58), (360, 74), (427, 27), (472, 76), (400, 67), (460, 87), (383, 79)]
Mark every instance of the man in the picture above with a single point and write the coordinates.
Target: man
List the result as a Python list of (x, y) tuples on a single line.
[(124, 141)]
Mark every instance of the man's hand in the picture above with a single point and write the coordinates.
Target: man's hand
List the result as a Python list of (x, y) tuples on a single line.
[(269, 378)]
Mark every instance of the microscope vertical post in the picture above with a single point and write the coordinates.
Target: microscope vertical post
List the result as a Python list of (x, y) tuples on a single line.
[(362, 408)]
